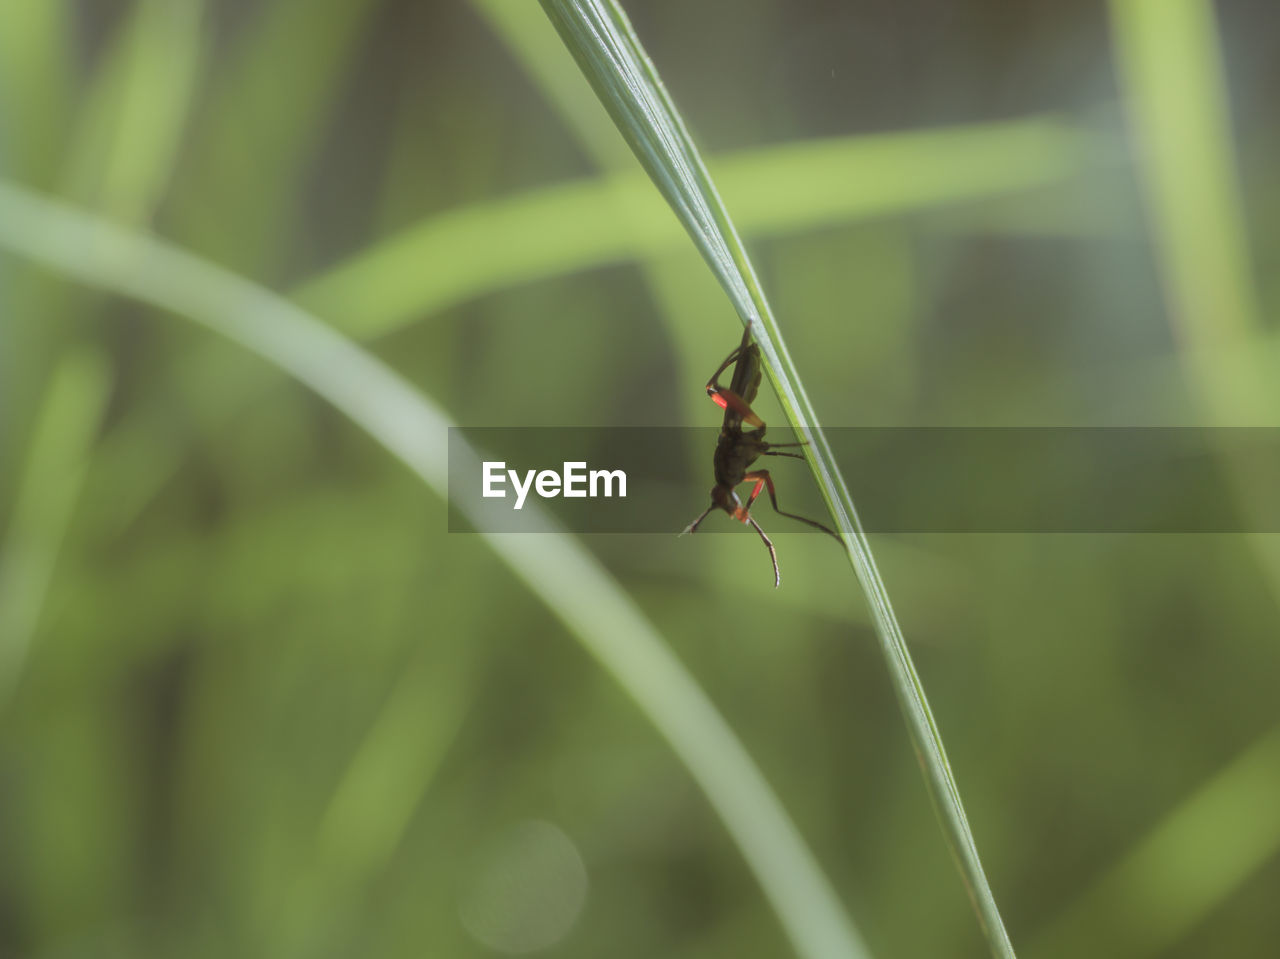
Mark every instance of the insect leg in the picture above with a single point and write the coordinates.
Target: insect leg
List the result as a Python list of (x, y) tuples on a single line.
[(728, 361), (768, 449), (773, 556), (762, 478), (728, 399)]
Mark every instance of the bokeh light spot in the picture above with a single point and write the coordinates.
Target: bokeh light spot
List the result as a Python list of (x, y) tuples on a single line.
[(525, 889)]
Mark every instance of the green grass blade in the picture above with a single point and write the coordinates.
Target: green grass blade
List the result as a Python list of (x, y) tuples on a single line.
[(1171, 67), (51, 481), (260, 125), (557, 568), (533, 42), (1172, 72), (616, 218), (137, 109), (36, 81), (610, 55), (1190, 863)]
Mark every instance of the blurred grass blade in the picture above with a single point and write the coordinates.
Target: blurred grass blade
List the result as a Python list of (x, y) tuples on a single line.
[(533, 42), (556, 567), (1171, 67), (1167, 52), (136, 110), (50, 485), (600, 38), (615, 218), (36, 81), (371, 809), (1191, 863), (264, 113)]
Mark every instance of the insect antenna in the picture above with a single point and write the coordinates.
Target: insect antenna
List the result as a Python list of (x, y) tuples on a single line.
[(693, 527)]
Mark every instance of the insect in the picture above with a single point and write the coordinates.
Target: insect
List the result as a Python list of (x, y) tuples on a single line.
[(738, 448)]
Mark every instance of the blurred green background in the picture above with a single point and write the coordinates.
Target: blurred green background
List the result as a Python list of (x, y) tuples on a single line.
[(254, 700)]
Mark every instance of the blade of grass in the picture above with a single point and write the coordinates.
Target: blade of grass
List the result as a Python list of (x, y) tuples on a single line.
[(615, 218), (601, 39), (124, 150), (37, 80), (264, 113), (50, 486), (35, 85), (368, 814), (534, 43), (1171, 69), (562, 573), (1188, 864)]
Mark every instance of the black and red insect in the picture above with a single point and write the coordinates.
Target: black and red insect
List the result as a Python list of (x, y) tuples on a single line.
[(738, 448)]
